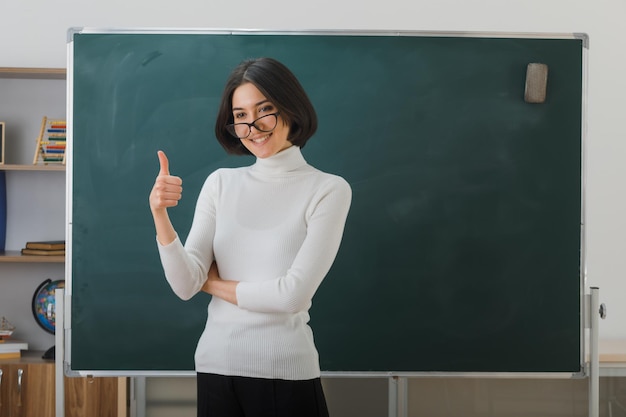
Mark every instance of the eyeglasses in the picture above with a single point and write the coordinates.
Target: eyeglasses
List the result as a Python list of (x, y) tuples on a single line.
[(265, 123)]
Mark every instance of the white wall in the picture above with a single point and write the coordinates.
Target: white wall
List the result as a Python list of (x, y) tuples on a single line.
[(34, 32)]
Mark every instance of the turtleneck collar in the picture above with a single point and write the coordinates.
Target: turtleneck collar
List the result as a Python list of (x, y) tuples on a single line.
[(284, 161)]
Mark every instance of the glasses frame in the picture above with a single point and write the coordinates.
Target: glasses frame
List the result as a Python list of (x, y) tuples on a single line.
[(231, 126)]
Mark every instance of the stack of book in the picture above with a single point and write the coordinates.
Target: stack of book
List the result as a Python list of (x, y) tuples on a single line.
[(12, 349), (45, 247), (9, 348)]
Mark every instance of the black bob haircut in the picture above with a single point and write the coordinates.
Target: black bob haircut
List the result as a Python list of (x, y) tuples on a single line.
[(278, 84)]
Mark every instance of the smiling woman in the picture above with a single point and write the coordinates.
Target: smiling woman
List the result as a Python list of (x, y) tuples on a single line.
[(264, 136), (262, 240), (256, 80)]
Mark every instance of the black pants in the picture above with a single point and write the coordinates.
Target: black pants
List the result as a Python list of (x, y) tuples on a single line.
[(234, 396)]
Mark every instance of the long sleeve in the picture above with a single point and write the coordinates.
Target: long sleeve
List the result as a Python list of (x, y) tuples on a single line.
[(294, 291), (186, 267)]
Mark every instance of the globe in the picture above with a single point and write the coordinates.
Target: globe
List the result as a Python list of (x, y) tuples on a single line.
[(44, 302)]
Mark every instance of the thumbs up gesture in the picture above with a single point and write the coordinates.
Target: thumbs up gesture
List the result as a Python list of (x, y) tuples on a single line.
[(167, 189)]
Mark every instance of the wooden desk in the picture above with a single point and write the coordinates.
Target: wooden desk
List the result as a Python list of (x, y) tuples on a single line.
[(612, 357)]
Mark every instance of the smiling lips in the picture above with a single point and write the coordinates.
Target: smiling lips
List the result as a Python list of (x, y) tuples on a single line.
[(260, 140)]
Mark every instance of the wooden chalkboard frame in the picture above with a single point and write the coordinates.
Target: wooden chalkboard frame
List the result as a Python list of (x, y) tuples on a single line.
[(74, 305)]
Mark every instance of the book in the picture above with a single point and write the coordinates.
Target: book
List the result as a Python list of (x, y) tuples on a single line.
[(12, 346), (46, 244), (12, 349), (44, 252)]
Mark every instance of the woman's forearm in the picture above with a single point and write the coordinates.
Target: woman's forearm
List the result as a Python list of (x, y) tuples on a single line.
[(164, 229), (217, 287)]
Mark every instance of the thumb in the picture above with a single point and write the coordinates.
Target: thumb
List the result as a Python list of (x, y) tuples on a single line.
[(164, 163)]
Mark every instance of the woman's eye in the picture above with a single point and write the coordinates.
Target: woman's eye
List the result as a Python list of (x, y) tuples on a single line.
[(266, 109), (239, 115)]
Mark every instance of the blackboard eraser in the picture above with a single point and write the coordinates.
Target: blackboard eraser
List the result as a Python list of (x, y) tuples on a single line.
[(536, 83)]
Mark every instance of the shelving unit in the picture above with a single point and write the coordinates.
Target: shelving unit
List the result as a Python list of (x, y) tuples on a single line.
[(20, 73)]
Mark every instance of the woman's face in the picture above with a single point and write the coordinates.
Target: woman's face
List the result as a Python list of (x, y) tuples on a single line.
[(249, 104)]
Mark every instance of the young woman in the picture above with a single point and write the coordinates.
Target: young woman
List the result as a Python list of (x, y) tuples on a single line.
[(262, 240)]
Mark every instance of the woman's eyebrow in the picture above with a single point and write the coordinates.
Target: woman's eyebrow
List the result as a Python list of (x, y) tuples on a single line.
[(254, 105)]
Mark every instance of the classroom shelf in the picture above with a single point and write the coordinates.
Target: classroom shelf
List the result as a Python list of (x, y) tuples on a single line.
[(16, 256), (26, 167), (34, 73)]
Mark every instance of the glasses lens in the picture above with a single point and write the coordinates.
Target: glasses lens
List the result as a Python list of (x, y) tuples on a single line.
[(239, 130), (242, 130), (266, 123)]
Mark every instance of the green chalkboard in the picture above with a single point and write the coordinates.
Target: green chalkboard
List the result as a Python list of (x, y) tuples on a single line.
[(462, 249)]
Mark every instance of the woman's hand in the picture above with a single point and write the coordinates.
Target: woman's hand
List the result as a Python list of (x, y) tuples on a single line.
[(166, 192), (216, 286), (213, 275), (167, 189)]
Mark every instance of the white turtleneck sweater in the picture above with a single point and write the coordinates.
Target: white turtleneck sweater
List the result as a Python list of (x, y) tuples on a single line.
[(275, 227)]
